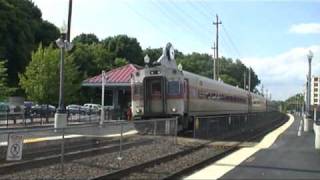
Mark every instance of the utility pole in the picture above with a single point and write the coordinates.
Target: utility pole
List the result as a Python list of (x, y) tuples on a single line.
[(214, 62), (69, 20), (262, 89), (217, 45), (249, 80), (244, 80)]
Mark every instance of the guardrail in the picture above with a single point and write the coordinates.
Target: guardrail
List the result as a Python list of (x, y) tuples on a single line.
[(61, 146), (223, 126), (46, 117)]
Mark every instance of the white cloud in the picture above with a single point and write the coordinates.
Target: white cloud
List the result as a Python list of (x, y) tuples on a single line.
[(305, 28), (285, 74)]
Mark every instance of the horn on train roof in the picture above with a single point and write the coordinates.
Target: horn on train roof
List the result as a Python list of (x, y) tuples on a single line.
[(168, 57)]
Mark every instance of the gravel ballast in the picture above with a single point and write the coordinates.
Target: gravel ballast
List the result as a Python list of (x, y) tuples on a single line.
[(97, 165)]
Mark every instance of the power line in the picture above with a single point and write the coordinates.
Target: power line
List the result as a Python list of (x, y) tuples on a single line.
[(203, 10), (177, 19), (231, 41), (148, 20), (198, 24)]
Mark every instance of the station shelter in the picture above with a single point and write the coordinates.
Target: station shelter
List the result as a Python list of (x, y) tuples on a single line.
[(117, 89)]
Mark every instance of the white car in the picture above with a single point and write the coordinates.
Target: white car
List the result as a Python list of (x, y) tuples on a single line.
[(92, 108)]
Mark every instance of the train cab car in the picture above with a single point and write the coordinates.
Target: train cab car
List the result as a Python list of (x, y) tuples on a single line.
[(162, 89), (158, 90)]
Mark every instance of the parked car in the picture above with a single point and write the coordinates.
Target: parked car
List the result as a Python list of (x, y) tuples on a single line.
[(92, 108), (28, 104), (76, 109), (4, 107), (43, 109)]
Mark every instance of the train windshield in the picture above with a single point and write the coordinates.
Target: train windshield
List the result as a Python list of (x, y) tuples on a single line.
[(156, 88), (174, 88)]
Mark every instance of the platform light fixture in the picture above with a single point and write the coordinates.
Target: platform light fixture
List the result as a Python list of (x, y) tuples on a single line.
[(64, 45), (146, 60)]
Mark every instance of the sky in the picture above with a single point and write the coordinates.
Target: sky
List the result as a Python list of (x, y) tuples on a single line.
[(273, 37)]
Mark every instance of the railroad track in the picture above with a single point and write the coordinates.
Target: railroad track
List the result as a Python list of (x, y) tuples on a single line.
[(166, 167), (70, 155)]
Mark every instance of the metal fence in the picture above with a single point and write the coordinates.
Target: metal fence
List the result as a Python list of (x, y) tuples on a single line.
[(45, 117), (226, 126), (111, 146)]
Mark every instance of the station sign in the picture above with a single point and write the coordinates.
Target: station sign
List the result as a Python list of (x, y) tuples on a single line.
[(14, 151)]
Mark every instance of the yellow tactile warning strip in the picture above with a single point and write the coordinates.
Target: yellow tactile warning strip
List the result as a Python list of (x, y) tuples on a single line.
[(221, 167), (35, 140), (50, 138)]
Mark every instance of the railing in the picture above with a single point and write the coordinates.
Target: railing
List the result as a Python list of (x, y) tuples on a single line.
[(45, 117), (223, 126), (115, 142)]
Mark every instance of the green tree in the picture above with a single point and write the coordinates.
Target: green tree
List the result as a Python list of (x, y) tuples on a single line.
[(21, 30), (196, 63), (4, 89), (154, 54), (47, 33), (85, 39), (120, 62), (91, 59), (125, 47), (231, 72), (41, 79), (294, 102)]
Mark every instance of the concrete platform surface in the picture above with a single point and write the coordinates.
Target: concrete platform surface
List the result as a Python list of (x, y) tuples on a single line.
[(32, 135), (287, 154)]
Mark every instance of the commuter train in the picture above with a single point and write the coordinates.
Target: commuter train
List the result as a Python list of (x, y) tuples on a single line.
[(164, 90)]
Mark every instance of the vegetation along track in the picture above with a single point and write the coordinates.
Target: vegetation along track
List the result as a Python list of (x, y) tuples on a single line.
[(188, 161)]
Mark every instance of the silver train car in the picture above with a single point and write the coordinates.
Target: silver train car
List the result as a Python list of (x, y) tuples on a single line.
[(165, 90)]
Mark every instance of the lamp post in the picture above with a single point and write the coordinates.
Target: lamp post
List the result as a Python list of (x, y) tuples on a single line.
[(307, 114), (103, 84), (60, 119)]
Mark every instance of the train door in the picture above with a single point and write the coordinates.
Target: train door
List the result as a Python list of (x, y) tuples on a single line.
[(186, 95), (154, 95)]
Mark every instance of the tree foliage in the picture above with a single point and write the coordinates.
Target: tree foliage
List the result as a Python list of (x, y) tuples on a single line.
[(294, 102), (85, 39), (41, 79), (91, 59), (125, 47), (153, 54), (120, 62), (231, 72), (21, 30), (4, 89)]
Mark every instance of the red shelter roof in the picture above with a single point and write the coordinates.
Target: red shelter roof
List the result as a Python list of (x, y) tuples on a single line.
[(116, 77)]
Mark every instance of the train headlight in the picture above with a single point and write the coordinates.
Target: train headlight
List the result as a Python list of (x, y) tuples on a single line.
[(174, 110), (138, 110)]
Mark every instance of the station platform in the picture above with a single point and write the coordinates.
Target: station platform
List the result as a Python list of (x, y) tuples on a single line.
[(285, 153), (44, 133)]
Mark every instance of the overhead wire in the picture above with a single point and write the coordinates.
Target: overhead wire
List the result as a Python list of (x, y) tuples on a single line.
[(231, 41), (177, 21), (146, 19), (199, 5), (198, 25)]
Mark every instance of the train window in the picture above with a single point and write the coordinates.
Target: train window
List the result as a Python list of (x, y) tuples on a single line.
[(173, 88), (156, 88)]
